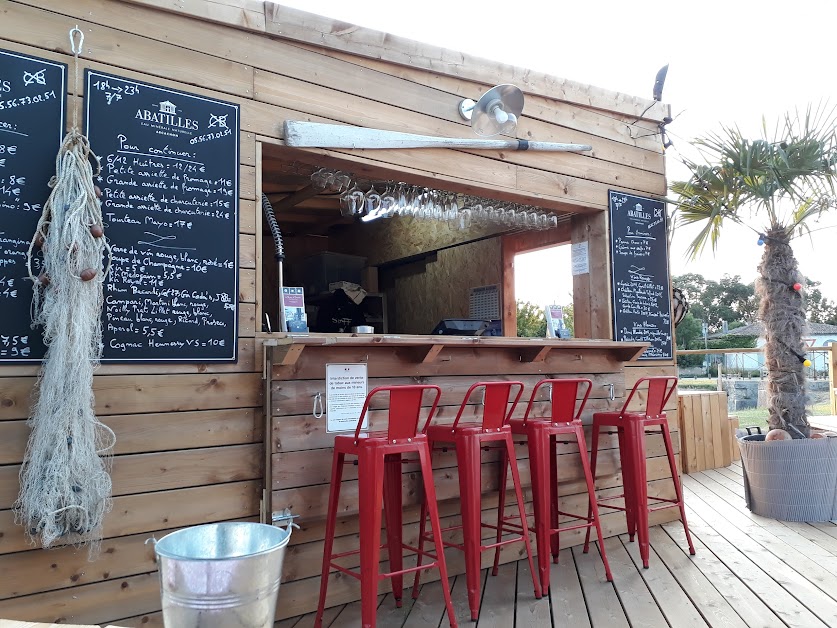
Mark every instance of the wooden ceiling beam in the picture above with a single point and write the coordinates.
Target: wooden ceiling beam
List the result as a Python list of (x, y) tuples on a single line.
[(297, 197)]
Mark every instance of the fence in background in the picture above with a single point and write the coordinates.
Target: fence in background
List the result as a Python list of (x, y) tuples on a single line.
[(823, 365)]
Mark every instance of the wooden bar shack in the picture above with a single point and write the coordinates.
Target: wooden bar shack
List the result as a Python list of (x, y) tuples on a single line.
[(229, 431)]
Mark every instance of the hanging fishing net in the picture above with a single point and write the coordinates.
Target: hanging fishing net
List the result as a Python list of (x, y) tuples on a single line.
[(65, 484)]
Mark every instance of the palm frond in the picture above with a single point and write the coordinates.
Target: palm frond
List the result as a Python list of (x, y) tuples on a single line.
[(795, 167)]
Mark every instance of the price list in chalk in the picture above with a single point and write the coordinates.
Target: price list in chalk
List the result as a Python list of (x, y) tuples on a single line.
[(169, 185), (639, 273), (32, 119)]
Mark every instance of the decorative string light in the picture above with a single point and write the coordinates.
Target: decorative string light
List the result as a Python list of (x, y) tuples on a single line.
[(799, 356)]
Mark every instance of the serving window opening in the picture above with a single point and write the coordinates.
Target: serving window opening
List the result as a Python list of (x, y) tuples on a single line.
[(543, 287), (366, 251)]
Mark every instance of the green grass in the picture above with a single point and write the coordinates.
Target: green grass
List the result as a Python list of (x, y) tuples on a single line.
[(758, 416)]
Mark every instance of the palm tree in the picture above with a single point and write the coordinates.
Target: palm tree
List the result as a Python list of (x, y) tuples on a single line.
[(782, 185)]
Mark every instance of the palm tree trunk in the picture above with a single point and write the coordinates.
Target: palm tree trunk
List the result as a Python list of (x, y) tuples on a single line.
[(783, 315)]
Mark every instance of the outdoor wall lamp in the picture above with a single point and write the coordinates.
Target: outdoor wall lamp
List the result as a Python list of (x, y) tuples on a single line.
[(495, 112)]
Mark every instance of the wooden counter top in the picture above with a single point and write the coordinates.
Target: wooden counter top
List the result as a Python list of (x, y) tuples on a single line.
[(627, 350), (287, 349)]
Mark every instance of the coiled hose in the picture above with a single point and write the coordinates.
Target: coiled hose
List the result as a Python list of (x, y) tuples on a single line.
[(279, 256), (274, 228)]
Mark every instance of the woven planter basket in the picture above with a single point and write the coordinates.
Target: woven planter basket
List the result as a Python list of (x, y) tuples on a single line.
[(791, 480)]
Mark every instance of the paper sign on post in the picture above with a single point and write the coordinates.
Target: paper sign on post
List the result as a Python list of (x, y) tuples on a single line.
[(346, 386), (580, 258)]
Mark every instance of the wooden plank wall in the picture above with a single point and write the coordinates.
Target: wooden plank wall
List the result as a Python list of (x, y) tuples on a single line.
[(302, 459), (189, 436)]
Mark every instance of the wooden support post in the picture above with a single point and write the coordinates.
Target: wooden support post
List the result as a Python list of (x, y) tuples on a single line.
[(591, 291), (832, 377), (508, 297)]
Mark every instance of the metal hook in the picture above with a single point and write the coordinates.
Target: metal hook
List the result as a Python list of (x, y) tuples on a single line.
[(73, 32), (318, 401), (286, 518), (610, 394)]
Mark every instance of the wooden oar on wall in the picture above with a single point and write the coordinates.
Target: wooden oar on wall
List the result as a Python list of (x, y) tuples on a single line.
[(318, 135)]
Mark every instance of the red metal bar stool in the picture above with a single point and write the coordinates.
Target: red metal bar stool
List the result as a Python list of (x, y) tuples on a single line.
[(470, 438), (543, 436), (631, 430), (379, 478)]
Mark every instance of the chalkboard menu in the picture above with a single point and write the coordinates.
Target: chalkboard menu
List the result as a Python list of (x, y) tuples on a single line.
[(170, 163), (639, 273), (32, 119)]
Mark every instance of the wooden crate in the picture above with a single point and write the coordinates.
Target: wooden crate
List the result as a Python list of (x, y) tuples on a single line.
[(707, 435)]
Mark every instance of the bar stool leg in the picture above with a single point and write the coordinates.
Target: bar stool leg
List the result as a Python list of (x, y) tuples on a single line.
[(392, 512), (420, 556), (555, 541), (501, 508), (677, 488), (519, 494), (435, 524), (539, 468), (636, 437), (370, 476), (627, 460), (423, 523), (331, 522), (591, 495), (468, 461), (594, 454)]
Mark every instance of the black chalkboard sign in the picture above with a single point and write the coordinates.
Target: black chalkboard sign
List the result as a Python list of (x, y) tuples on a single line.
[(639, 273), (170, 164), (32, 119)]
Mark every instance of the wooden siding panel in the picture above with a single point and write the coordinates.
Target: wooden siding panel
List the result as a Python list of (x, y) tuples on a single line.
[(124, 394), (46, 29), (143, 433), (151, 512)]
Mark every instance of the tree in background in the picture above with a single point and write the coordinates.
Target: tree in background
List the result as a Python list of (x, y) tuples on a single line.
[(820, 309), (783, 182), (714, 302), (569, 319), (732, 301), (689, 335), (531, 322)]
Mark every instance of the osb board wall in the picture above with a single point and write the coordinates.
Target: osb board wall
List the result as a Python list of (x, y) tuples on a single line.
[(421, 300), (384, 241), (302, 458)]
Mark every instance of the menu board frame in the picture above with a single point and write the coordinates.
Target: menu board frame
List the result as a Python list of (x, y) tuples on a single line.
[(650, 221), (169, 354), (36, 80)]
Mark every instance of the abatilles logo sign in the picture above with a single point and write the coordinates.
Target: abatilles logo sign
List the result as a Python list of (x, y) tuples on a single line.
[(168, 116)]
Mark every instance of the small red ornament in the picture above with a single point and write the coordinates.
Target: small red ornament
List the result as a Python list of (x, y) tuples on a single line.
[(797, 286)]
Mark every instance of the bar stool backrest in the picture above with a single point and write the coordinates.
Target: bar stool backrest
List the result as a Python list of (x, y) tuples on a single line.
[(404, 408), (659, 392), (564, 394), (495, 410)]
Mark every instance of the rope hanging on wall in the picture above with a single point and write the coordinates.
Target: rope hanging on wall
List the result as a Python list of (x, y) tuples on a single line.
[(65, 483)]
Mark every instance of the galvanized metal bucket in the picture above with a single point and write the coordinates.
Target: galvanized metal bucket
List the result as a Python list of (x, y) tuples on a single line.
[(221, 575)]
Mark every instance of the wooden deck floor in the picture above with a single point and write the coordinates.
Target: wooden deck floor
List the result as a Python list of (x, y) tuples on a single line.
[(749, 571)]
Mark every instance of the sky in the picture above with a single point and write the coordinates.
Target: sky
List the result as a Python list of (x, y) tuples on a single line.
[(731, 62)]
